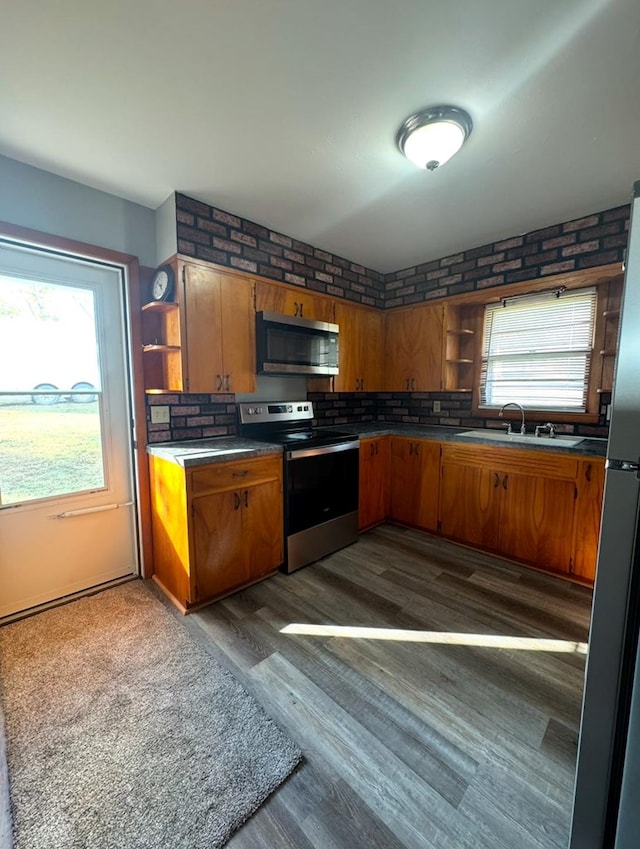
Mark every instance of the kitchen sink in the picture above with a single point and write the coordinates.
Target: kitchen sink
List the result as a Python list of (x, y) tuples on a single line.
[(525, 438)]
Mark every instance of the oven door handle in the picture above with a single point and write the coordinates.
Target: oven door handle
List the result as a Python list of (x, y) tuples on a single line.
[(323, 449)]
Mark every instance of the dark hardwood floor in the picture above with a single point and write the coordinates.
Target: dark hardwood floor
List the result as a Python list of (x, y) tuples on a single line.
[(422, 739)]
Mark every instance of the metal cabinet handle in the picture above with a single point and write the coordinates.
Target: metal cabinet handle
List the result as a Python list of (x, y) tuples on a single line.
[(413, 385), (504, 481), (417, 449), (236, 501), (408, 384), (241, 474), (297, 307), (496, 480), (228, 382), (219, 382), (246, 498), (587, 472), (372, 449)]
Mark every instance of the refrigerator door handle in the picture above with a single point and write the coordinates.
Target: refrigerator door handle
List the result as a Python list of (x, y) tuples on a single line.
[(624, 466)]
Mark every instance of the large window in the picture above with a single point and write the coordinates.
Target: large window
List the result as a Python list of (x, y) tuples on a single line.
[(537, 351)]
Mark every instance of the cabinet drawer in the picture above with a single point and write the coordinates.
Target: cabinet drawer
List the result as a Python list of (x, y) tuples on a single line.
[(223, 476), (518, 461)]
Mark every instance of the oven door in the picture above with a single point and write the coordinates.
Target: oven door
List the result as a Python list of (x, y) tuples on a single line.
[(321, 510)]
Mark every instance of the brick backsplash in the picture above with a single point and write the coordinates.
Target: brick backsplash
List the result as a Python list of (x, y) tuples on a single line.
[(417, 408), (598, 239), (214, 235), (192, 417)]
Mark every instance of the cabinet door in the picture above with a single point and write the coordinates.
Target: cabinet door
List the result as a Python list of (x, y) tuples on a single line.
[(292, 300), (536, 520), (202, 336), (374, 482), (590, 483), (350, 342), (372, 350), (238, 333), (470, 504), (219, 548), (414, 472), (413, 349), (263, 528)]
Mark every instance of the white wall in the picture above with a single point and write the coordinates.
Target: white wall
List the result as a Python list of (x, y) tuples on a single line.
[(166, 229), (31, 197)]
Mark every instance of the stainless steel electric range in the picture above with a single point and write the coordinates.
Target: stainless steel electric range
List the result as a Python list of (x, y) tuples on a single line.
[(320, 477)]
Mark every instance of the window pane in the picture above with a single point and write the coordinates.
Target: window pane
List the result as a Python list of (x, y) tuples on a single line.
[(537, 351), (50, 423)]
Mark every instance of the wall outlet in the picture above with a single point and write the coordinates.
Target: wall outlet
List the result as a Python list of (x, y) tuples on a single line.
[(160, 414), (436, 406)]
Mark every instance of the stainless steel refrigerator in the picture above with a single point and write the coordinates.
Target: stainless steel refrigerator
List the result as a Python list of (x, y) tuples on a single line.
[(606, 812)]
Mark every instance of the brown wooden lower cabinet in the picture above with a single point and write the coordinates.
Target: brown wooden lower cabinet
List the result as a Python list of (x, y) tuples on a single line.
[(374, 481), (415, 482), (519, 504), (539, 508), (590, 485), (216, 527)]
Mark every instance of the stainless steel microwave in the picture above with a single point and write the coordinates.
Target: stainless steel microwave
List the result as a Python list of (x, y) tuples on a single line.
[(289, 345)]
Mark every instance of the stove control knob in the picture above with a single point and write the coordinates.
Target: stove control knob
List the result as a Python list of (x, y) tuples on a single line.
[(289, 408), (258, 409)]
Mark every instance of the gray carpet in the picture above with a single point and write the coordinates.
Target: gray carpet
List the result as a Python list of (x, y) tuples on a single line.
[(123, 733)]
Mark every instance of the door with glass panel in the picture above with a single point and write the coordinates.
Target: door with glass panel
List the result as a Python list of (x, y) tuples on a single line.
[(67, 512)]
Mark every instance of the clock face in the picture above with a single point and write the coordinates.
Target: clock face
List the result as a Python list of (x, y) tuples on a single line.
[(162, 284)]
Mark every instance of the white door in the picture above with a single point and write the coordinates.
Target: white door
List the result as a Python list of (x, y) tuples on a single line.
[(67, 513)]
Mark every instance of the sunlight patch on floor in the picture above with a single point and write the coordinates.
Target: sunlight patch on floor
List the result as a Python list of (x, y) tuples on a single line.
[(444, 638)]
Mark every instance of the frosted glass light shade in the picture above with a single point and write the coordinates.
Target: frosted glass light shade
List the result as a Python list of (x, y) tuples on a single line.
[(431, 137)]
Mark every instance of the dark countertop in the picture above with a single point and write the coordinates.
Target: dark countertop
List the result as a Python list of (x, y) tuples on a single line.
[(221, 449), (366, 430)]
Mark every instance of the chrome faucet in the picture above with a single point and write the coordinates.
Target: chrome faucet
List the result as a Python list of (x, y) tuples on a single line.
[(548, 426), (519, 406)]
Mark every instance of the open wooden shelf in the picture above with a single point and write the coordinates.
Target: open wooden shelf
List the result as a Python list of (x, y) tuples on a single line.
[(160, 347), (159, 306)]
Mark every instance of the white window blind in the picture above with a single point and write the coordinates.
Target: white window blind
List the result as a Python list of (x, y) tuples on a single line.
[(537, 351)]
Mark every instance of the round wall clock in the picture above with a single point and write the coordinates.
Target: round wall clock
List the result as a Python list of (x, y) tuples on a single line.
[(162, 284)]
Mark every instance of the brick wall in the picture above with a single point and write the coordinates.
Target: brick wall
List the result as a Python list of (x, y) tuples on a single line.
[(417, 408), (214, 235), (192, 417), (598, 239)]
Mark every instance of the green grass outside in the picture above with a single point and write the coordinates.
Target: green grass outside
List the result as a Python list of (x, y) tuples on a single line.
[(49, 450)]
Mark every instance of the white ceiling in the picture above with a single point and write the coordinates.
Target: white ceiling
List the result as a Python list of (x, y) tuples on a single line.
[(285, 111)]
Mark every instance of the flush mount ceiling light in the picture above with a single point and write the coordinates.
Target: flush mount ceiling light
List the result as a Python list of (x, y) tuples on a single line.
[(432, 136)]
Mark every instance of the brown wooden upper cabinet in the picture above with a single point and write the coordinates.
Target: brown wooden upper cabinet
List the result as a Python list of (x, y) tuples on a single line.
[(361, 340), (294, 301), (413, 349), (219, 330)]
